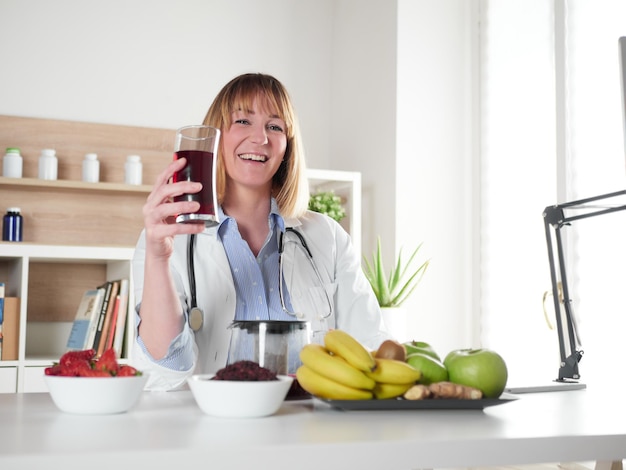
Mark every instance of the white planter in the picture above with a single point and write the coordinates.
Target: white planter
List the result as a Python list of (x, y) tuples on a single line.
[(395, 319)]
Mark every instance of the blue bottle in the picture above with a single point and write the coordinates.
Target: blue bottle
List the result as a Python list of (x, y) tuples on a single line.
[(12, 225)]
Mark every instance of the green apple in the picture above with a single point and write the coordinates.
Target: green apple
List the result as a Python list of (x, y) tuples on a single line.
[(421, 347), (483, 369), (432, 369)]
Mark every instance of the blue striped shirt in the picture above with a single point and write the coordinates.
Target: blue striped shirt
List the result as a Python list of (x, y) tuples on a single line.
[(255, 278)]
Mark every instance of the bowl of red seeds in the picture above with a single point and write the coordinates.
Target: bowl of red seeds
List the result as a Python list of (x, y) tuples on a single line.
[(242, 389)]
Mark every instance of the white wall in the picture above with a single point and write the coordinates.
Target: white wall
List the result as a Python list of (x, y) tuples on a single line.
[(363, 120), (402, 109), (380, 88), (434, 190), (159, 63)]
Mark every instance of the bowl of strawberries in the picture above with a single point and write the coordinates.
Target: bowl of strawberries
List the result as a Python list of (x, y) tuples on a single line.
[(82, 383)]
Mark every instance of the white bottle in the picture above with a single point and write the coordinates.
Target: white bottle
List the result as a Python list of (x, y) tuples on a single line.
[(133, 170), (12, 163), (48, 164), (91, 168)]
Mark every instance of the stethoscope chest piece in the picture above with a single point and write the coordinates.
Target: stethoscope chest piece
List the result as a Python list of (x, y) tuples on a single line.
[(196, 318)]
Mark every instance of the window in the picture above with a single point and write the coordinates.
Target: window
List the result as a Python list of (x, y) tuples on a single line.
[(551, 131)]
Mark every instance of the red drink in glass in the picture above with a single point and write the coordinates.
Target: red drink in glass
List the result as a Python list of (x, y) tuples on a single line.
[(198, 145), (199, 167)]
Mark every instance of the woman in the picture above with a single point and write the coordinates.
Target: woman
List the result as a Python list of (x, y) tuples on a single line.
[(262, 197)]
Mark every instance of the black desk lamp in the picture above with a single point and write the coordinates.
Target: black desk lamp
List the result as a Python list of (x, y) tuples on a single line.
[(554, 216)]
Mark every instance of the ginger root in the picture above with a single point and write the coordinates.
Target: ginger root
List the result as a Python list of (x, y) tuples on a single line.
[(452, 390), (417, 392), (442, 390)]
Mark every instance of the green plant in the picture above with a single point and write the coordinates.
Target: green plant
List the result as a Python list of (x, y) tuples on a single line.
[(327, 203), (392, 291)]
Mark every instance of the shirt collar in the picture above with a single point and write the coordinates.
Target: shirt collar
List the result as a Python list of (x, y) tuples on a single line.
[(275, 215), (274, 219)]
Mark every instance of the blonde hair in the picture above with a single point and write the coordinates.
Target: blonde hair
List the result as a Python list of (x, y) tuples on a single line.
[(289, 185)]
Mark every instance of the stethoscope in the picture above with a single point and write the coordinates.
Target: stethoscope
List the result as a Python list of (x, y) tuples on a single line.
[(196, 315)]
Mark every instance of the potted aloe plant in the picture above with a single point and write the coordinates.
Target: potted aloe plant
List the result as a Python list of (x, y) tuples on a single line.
[(393, 289)]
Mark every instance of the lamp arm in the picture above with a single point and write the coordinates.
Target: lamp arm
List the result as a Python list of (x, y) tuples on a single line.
[(554, 216), (568, 367)]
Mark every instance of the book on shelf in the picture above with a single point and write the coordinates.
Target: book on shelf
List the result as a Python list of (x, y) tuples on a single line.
[(85, 319), (110, 333), (93, 325), (93, 342), (11, 329), (120, 326), (108, 315)]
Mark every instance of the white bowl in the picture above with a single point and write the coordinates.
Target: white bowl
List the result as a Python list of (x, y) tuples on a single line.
[(95, 395), (238, 398)]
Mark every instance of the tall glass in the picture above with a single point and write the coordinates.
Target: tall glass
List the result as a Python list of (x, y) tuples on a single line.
[(198, 145)]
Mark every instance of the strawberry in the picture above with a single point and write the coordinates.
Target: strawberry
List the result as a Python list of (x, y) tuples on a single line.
[(72, 356), (85, 364), (107, 362), (55, 369), (127, 371), (94, 373), (76, 367)]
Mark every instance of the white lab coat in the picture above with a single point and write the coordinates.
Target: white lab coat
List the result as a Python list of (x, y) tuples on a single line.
[(355, 307)]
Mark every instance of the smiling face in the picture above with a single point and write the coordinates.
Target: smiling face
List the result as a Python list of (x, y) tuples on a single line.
[(253, 147), (246, 104)]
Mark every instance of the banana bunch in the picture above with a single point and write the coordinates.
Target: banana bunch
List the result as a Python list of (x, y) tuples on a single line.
[(343, 369), (336, 370), (393, 377)]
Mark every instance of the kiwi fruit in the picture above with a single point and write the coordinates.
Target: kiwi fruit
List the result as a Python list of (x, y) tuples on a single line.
[(391, 349)]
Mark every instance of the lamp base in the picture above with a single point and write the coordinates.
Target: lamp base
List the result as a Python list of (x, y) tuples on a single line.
[(553, 386)]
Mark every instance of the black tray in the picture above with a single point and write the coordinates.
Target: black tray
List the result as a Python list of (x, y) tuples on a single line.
[(429, 404)]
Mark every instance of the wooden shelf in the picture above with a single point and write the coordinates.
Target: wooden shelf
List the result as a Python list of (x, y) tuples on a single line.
[(64, 185)]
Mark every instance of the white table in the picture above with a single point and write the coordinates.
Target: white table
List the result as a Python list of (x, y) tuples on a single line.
[(168, 430)]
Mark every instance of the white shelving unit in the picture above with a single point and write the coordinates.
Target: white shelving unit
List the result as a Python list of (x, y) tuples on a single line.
[(42, 342), (49, 277)]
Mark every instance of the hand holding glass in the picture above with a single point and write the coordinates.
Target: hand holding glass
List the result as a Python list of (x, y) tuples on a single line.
[(198, 145)]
